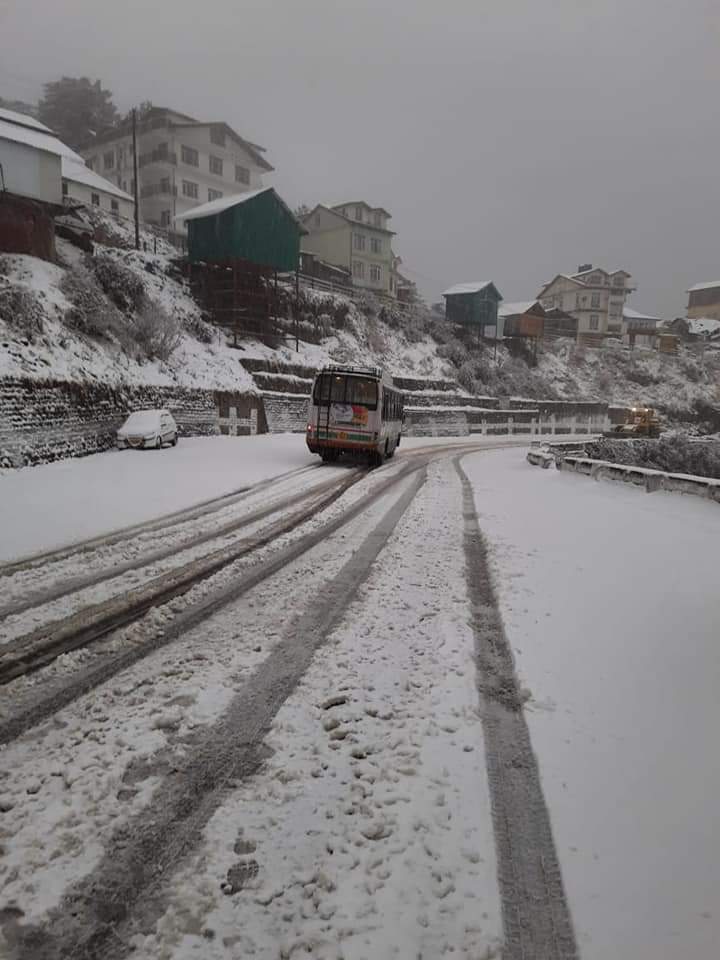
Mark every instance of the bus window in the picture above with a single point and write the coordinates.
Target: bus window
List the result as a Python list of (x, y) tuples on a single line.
[(337, 390), (362, 391), (322, 390)]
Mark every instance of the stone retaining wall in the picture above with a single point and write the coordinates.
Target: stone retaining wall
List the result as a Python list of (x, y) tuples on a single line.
[(44, 420), (285, 412)]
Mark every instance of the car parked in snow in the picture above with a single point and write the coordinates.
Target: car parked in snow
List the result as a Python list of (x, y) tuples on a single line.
[(148, 428)]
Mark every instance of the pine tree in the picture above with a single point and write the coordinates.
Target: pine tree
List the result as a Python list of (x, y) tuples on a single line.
[(77, 109)]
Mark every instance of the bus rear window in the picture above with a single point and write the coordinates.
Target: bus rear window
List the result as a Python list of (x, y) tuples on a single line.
[(362, 391), (339, 388)]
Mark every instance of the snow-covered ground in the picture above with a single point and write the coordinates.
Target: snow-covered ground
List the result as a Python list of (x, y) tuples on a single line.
[(610, 601), (70, 500), (367, 832)]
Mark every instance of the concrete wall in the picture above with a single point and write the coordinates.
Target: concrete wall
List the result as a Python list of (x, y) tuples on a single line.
[(553, 418), (331, 245), (48, 420), (28, 172), (285, 412)]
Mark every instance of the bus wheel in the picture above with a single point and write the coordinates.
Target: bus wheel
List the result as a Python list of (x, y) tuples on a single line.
[(391, 453), (329, 456)]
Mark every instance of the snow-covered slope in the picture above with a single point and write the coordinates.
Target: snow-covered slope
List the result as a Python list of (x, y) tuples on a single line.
[(70, 322)]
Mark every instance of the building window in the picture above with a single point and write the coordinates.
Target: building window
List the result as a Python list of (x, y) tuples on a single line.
[(358, 214), (375, 273), (120, 155), (190, 189), (595, 301), (114, 206), (378, 219), (64, 188), (95, 199), (358, 269), (165, 185), (358, 241), (90, 163), (214, 194), (216, 165), (594, 321), (189, 156), (375, 245), (242, 174), (109, 160), (165, 218), (217, 135), (162, 151)]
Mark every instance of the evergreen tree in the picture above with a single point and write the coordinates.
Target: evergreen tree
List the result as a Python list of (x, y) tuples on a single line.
[(77, 109)]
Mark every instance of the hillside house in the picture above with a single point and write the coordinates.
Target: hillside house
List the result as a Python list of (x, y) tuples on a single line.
[(639, 329), (80, 184), (237, 246), (30, 159), (704, 301), (39, 174), (355, 237), (595, 297), (475, 305), (182, 163), (522, 319)]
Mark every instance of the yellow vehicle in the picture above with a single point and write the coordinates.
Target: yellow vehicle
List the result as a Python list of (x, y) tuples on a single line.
[(640, 422)]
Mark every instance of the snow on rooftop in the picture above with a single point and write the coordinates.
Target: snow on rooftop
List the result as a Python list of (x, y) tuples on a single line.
[(474, 287), (702, 326), (631, 314), (26, 130), (704, 286), (214, 207), (77, 172), (512, 309), (24, 120)]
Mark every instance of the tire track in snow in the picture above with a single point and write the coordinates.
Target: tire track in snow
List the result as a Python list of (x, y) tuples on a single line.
[(94, 919), (536, 917)]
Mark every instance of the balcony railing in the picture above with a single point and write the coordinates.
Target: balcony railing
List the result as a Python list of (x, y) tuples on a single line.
[(157, 156), (155, 189)]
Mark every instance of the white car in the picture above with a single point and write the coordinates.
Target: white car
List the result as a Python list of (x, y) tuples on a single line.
[(148, 428)]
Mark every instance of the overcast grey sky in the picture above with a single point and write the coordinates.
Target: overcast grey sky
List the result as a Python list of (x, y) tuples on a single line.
[(510, 139)]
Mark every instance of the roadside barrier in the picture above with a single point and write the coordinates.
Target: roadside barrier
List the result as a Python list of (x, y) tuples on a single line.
[(647, 478)]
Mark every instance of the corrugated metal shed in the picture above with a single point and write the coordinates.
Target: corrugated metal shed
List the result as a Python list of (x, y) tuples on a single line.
[(473, 304), (256, 226)]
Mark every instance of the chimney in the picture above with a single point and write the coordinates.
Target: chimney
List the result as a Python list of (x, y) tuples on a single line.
[(583, 267)]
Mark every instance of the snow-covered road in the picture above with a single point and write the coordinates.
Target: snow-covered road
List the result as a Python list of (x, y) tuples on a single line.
[(610, 600), (305, 773)]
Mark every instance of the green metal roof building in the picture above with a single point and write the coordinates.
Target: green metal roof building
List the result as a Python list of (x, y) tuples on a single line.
[(474, 304), (257, 227)]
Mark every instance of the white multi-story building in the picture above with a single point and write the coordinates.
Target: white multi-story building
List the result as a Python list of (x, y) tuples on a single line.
[(354, 236), (182, 162), (595, 297)]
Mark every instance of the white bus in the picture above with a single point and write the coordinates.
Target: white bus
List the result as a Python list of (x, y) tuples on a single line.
[(354, 410)]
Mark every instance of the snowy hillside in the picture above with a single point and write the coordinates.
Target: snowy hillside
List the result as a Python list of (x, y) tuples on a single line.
[(123, 316)]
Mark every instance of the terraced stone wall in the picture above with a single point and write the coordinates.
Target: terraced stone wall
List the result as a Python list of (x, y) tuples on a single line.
[(45, 420)]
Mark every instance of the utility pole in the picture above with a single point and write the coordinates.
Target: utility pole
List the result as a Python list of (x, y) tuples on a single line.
[(135, 180)]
